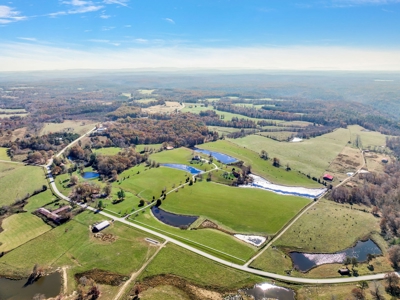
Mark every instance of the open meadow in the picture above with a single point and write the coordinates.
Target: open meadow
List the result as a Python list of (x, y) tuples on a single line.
[(78, 126), (19, 180), (3, 154), (261, 167)]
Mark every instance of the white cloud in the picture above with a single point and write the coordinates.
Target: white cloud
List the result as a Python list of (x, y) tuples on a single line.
[(169, 20), (141, 41), (78, 7), (22, 56), (99, 41), (27, 39), (9, 15), (119, 2), (105, 16)]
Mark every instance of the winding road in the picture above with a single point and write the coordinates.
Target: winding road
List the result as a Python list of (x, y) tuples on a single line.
[(244, 268)]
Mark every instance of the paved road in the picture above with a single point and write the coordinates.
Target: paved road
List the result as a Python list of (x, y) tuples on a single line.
[(217, 259)]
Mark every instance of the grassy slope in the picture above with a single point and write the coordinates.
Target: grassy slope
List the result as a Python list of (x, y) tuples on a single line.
[(198, 270), (259, 166), (309, 156), (20, 228), (3, 154), (368, 138), (73, 245), (18, 180), (237, 250), (39, 200), (76, 125), (164, 292), (258, 211)]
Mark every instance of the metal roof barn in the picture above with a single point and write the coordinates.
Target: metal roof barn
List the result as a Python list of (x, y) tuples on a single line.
[(101, 226)]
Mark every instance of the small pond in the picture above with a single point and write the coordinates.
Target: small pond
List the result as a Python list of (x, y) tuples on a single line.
[(90, 175), (270, 291), (49, 285), (223, 158), (306, 261), (185, 168), (261, 183), (172, 219)]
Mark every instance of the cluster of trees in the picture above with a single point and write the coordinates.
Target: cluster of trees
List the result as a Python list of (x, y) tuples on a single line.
[(111, 165), (394, 145), (380, 190), (179, 130)]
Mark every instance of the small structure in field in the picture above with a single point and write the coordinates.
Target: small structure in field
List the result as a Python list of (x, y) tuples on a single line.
[(100, 226), (328, 177), (385, 160), (57, 216), (344, 271), (196, 157), (169, 148)]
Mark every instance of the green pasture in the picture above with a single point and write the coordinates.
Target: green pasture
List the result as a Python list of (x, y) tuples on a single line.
[(20, 228), (18, 180), (107, 150), (3, 154), (39, 200), (259, 166), (243, 210), (73, 245), (209, 240), (197, 270), (311, 156), (368, 138)]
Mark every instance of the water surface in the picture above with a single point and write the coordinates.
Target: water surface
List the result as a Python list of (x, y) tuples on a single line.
[(49, 285), (270, 291), (172, 219), (223, 158), (306, 261), (185, 168), (90, 175)]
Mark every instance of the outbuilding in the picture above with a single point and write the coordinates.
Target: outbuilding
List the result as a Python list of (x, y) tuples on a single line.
[(328, 177), (385, 160), (100, 226), (344, 271)]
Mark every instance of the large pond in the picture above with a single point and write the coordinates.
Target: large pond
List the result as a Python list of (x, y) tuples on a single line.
[(270, 291), (186, 168), (225, 159), (50, 286), (306, 261), (90, 175), (172, 219), (261, 183)]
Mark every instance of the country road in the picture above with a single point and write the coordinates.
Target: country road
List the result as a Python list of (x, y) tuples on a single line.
[(244, 268)]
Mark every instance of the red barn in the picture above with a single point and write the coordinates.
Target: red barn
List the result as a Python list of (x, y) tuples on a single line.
[(328, 177)]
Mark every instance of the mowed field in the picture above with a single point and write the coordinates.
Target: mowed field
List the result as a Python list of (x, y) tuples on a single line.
[(18, 180), (241, 210), (74, 246), (79, 126), (311, 156), (19, 229), (263, 168), (3, 154)]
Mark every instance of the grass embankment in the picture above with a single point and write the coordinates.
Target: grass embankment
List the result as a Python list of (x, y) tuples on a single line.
[(208, 240), (259, 211), (311, 156), (78, 126), (326, 228), (19, 180), (165, 292), (197, 270), (74, 246), (3, 154), (259, 166)]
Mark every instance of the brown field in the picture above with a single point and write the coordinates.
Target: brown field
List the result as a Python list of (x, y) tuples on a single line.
[(374, 161), (78, 126), (279, 135), (169, 107), (349, 160), (18, 133)]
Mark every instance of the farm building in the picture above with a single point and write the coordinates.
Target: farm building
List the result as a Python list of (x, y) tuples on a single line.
[(62, 209), (48, 214), (100, 226), (344, 271), (328, 177), (169, 148), (196, 157), (385, 160)]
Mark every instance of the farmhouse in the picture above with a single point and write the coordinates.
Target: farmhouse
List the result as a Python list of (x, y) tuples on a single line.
[(344, 271), (196, 157), (48, 214), (100, 226), (328, 177), (385, 160), (169, 148)]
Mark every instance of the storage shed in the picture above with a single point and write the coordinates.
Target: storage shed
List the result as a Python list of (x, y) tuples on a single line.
[(328, 177), (100, 226)]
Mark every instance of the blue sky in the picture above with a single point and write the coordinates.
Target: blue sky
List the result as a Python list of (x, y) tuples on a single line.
[(320, 34)]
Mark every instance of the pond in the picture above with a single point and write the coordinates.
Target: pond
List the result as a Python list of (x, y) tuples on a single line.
[(261, 183), (223, 158), (307, 261), (49, 285), (270, 291), (172, 219), (90, 175), (185, 168)]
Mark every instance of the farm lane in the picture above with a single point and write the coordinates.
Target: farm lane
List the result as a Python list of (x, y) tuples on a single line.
[(209, 256)]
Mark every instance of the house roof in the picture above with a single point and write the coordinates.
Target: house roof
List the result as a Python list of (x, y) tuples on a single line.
[(328, 176)]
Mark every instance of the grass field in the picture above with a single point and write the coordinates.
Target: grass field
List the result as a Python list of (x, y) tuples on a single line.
[(311, 156), (18, 180), (259, 166), (145, 100), (74, 246), (258, 211), (3, 154), (165, 292), (39, 200), (197, 270), (209, 240), (79, 127), (20, 228), (145, 91), (368, 138), (168, 107), (223, 130)]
